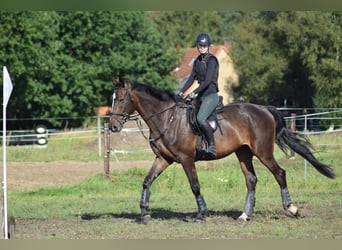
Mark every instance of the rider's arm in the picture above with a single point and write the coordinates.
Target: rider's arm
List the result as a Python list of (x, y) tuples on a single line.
[(189, 81)]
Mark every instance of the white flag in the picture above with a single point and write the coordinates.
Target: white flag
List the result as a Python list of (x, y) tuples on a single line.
[(7, 85), (7, 90)]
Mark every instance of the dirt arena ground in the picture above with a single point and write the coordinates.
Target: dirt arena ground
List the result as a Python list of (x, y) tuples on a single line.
[(32, 175)]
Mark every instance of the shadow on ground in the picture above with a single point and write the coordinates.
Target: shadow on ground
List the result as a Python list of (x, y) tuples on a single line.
[(162, 214)]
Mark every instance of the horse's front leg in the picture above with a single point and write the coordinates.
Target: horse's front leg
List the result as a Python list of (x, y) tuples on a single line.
[(191, 173), (158, 166)]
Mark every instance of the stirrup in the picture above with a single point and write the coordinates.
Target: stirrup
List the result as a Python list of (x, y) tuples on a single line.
[(211, 150)]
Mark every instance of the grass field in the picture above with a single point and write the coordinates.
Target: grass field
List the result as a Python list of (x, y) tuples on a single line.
[(107, 209)]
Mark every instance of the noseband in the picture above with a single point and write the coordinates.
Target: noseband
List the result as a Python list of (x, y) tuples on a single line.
[(123, 121), (127, 117)]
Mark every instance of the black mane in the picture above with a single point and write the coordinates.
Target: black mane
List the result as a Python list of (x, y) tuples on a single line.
[(162, 95)]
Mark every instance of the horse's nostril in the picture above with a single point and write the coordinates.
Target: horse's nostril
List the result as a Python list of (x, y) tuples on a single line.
[(115, 128)]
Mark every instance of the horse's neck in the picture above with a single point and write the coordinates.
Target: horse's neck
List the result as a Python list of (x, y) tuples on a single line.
[(163, 118), (153, 111)]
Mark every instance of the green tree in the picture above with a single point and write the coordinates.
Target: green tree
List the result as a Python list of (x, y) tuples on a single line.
[(260, 64), (29, 45), (182, 27), (322, 58), (309, 40), (62, 63), (116, 42), (299, 55), (326, 67)]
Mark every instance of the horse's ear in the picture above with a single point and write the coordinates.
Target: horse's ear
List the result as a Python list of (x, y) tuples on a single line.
[(121, 78), (117, 84)]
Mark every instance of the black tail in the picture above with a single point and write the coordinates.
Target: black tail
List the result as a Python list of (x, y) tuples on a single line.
[(298, 143)]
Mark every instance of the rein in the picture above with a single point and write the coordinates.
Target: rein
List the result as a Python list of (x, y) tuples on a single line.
[(161, 134), (137, 118), (160, 112)]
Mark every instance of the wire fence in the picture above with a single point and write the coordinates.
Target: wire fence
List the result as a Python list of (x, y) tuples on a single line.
[(96, 129), (132, 139)]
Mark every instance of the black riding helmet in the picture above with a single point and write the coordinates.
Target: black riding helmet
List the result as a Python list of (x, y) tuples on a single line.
[(203, 39)]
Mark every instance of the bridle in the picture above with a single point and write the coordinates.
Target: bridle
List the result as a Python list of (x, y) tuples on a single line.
[(137, 117), (127, 117)]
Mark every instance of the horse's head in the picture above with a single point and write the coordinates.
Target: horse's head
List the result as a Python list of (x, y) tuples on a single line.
[(122, 105)]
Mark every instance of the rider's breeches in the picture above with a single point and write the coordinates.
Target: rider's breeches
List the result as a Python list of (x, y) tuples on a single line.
[(208, 105)]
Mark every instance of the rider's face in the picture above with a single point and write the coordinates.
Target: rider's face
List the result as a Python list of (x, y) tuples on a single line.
[(202, 48)]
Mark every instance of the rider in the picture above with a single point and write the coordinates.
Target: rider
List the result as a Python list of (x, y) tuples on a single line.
[(205, 71)]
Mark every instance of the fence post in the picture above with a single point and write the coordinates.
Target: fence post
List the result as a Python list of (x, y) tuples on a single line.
[(99, 133), (2, 219), (106, 150), (293, 129), (305, 131)]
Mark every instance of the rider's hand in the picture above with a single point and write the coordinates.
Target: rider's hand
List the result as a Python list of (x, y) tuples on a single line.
[(179, 97), (191, 96)]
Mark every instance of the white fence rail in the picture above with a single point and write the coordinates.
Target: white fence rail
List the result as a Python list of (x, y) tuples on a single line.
[(97, 131)]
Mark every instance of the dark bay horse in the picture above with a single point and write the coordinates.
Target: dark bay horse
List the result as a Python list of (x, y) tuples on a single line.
[(246, 129)]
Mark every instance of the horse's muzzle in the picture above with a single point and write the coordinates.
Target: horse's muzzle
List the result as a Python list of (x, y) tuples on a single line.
[(115, 127)]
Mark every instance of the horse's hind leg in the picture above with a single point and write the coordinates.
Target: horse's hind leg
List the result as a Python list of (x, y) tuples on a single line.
[(280, 176), (245, 156)]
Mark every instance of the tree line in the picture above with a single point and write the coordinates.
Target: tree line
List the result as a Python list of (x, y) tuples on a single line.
[(61, 63)]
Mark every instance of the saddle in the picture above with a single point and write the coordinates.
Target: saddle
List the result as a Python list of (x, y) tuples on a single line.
[(192, 114)]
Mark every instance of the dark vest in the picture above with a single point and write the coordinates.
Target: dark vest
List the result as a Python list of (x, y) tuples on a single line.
[(201, 64)]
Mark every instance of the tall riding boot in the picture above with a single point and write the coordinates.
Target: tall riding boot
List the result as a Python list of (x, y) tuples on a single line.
[(209, 136)]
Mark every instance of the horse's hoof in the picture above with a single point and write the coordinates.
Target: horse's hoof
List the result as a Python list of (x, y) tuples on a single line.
[(244, 217), (294, 211), (145, 218), (199, 220)]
